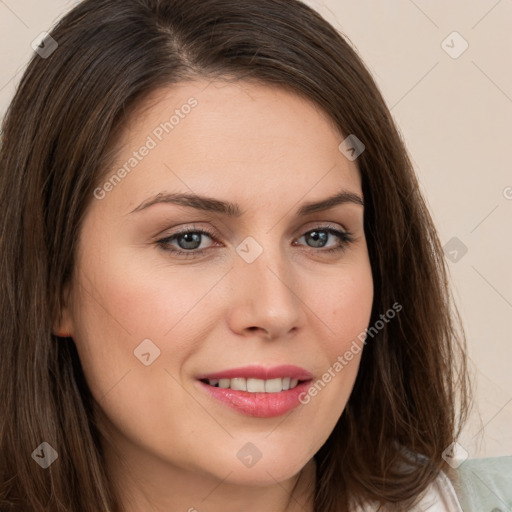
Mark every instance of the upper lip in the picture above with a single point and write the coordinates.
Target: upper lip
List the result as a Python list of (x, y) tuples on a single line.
[(260, 372)]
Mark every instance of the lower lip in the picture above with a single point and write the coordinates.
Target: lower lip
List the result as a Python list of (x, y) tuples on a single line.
[(259, 405)]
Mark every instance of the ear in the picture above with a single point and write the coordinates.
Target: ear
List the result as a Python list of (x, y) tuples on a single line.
[(63, 326)]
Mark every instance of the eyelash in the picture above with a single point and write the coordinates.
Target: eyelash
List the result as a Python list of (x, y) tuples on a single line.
[(345, 236)]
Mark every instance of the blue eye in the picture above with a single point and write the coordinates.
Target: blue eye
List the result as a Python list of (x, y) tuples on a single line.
[(320, 236), (189, 240)]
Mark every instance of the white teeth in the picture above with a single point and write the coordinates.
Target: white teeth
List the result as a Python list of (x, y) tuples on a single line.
[(273, 385), (255, 385), (224, 383), (239, 384)]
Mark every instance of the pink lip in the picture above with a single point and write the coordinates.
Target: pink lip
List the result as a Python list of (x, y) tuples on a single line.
[(259, 405), (260, 372)]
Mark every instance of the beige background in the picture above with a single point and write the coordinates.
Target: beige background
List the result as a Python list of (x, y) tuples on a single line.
[(455, 115)]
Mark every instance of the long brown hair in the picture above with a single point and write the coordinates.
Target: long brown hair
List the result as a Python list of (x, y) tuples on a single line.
[(411, 396)]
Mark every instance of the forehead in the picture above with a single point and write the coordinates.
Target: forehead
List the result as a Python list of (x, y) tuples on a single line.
[(232, 137)]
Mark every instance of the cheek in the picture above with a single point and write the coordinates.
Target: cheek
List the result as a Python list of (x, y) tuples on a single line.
[(347, 302), (121, 317), (140, 300), (123, 303)]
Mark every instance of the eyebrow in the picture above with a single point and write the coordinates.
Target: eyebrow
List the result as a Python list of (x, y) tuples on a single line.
[(230, 209)]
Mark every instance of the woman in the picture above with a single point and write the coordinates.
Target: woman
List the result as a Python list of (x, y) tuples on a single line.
[(223, 289)]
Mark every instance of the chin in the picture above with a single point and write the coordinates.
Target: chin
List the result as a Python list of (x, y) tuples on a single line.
[(266, 465), (262, 475)]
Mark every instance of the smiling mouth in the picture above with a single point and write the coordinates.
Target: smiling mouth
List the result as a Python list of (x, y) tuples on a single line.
[(255, 385), (258, 391)]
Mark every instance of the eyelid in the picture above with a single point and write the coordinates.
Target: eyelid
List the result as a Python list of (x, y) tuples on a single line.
[(317, 224), (213, 232)]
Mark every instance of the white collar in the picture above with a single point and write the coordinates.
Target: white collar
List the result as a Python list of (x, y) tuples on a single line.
[(438, 497)]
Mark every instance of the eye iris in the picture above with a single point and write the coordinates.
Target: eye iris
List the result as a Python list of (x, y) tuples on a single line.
[(190, 241), (318, 236), (190, 238)]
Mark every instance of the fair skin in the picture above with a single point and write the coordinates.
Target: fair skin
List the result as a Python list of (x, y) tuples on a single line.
[(172, 447)]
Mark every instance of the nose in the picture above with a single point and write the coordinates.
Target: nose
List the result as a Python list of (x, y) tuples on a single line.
[(266, 298)]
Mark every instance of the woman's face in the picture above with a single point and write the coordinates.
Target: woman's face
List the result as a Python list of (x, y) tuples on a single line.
[(270, 286)]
